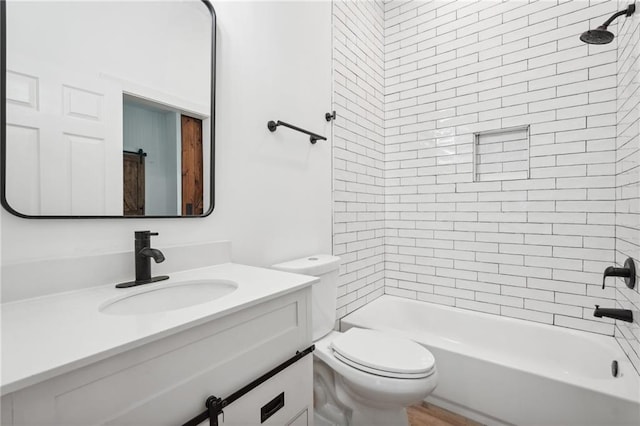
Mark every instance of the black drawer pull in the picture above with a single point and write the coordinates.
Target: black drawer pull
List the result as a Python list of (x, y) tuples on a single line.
[(271, 407)]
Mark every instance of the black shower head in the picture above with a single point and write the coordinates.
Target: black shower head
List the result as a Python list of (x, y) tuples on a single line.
[(600, 35)]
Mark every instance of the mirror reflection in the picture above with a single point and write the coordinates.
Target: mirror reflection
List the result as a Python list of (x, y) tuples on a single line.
[(108, 108)]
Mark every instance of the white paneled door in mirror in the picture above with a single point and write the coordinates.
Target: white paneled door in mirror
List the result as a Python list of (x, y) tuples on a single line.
[(64, 142)]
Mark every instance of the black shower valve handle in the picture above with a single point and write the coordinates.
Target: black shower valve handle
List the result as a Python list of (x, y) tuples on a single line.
[(628, 272), (612, 271)]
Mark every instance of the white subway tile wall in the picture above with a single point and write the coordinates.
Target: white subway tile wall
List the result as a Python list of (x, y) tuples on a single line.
[(358, 151), (526, 248), (628, 177), (413, 81)]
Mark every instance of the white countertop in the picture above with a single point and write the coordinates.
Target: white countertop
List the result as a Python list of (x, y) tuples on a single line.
[(52, 335)]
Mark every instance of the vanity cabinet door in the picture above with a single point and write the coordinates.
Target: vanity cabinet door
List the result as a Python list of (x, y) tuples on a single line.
[(285, 399)]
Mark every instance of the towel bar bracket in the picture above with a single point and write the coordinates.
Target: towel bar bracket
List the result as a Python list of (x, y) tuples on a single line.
[(330, 116)]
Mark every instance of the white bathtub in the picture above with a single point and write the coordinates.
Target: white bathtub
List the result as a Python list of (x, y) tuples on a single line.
[(501, 370)]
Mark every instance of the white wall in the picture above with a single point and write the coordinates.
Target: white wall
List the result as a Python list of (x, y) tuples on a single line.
[(273, 190), (628, 178)]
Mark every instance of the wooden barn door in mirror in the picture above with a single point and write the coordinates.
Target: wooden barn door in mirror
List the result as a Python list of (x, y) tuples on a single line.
[(133, 188), (192, 175)]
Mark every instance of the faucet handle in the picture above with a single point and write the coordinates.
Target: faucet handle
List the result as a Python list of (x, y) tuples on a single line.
[(145, 233)]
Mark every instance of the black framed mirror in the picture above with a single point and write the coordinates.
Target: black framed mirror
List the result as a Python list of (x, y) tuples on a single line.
[(108, 108)]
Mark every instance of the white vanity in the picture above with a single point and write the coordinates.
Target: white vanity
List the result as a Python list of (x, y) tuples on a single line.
[(73, 359)]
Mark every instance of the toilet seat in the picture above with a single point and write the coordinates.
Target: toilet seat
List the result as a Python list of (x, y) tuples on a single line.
[(383, 354)]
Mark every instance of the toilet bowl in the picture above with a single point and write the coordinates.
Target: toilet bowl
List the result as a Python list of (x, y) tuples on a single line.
[(376, 376), (361, 377)]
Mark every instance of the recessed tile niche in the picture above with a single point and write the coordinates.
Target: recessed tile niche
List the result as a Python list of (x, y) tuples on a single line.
[(501, 154)]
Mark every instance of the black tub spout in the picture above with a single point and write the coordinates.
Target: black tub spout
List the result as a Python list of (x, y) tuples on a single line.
[(617, 314)]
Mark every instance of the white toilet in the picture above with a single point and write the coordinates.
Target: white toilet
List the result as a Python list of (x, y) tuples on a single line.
[(361, 377)]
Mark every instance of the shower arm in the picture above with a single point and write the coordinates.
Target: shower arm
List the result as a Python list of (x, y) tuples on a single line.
[(628, 11)]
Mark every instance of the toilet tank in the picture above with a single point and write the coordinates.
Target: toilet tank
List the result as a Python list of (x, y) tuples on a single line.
[(323, 293)]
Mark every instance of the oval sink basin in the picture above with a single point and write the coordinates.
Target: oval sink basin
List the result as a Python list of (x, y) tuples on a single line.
[(168, 297)]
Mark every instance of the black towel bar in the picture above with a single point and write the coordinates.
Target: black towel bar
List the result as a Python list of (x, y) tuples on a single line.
[(313, 137)]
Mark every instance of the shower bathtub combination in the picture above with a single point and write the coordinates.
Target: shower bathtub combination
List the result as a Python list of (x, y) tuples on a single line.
[(502, 371)]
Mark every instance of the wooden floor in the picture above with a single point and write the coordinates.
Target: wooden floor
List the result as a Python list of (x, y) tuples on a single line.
[(430, 415)]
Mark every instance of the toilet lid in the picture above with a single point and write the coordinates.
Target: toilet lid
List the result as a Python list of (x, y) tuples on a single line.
[(382, 353)]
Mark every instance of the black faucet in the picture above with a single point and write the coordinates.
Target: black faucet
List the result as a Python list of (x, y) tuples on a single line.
[(628, 273), (143, 254), (618, 314)]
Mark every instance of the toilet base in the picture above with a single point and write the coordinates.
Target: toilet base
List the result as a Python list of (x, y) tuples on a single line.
[(328, 410), (364, 414), (369, 416), (335, 406)]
